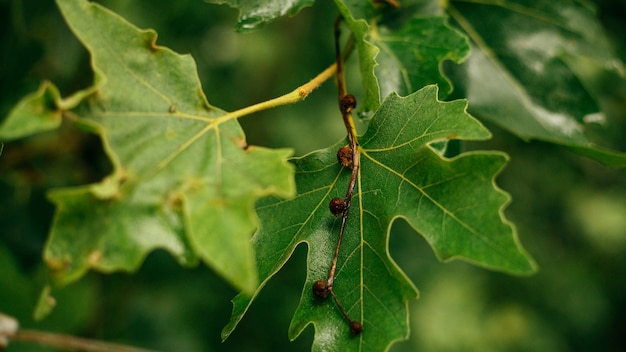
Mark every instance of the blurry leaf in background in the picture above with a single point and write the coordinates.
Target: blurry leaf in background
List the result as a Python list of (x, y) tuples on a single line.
[(20, 292), (410, 57), (254, 13), (601, 217), (524, 70)]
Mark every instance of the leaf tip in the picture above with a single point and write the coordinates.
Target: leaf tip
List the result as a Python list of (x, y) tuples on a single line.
[(34, 113), (45, 304)]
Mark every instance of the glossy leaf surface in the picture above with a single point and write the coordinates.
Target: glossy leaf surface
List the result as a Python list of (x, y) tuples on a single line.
[(400, 176), (254, 13), (525, 70)]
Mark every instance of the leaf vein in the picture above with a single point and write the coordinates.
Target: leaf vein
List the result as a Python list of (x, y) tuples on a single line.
[(444, 210)]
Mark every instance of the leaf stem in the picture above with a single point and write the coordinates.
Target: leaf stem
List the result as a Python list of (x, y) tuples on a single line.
[(295, 96), (300, 93)]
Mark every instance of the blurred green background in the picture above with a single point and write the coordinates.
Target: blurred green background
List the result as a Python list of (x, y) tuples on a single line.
[(570, 212)]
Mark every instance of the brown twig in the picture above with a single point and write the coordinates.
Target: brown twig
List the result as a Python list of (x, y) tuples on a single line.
[(347, 103), (72, 343)]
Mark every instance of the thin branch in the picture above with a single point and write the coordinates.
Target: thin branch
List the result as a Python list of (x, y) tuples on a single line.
[(347, 103), (341, 85), (300, 93), (72, 343), (295, 96)]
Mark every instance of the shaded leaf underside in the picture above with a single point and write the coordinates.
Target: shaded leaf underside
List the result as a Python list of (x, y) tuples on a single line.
[(184, 179)]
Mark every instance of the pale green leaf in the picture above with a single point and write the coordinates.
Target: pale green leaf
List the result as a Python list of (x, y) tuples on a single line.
[(36, 112), (184, 179)]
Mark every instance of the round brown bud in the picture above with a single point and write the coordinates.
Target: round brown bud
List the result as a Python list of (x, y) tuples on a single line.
[(344, 156), (337, 206), (347, 103), (355, 327), (320, 289)]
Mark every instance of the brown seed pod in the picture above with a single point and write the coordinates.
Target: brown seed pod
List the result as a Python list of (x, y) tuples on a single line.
[(355, 327), (347, 103), (344, 156), (337, 206), (320, 289)]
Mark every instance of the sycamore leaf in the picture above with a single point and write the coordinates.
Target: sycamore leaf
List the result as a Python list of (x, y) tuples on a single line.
[(254, 13), (453, 203), (525, 74), (400, 56), (184, 179)]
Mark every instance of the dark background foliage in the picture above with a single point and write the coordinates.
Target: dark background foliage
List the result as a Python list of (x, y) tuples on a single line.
[(570, 212)]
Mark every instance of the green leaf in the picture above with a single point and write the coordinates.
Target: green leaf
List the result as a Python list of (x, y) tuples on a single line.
[(411, 56), (453, 203), (367, 51), (254, 13), (523, 75), (184, 178), (399, 55), (37, 112)]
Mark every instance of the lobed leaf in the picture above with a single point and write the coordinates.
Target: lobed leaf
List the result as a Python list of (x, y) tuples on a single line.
[(184, 178), (453, 203), (397, 54), (524, 72)]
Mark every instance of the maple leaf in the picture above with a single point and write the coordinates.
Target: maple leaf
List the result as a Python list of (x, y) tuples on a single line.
[(453, 203), (184, 178)]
